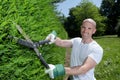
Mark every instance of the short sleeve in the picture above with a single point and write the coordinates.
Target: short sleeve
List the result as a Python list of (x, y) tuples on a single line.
[(96, 54), (75, 39)]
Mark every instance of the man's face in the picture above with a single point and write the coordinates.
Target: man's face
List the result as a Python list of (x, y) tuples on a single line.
[(87, 30)]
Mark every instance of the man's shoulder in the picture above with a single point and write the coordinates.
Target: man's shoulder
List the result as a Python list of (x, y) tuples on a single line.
[(76, 38), (95, 45)]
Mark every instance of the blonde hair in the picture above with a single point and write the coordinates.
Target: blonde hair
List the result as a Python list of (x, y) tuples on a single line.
[(90, 21)]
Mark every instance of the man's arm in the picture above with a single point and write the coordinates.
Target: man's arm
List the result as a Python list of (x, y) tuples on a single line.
[(63, 43), (78, 70)]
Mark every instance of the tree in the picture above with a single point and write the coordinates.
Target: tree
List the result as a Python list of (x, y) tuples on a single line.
[(110, 9), (118, 28), (117, 6), (84, 10), (57, 1)]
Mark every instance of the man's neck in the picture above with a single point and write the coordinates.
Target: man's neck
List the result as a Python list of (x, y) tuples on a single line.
[(87, 40)]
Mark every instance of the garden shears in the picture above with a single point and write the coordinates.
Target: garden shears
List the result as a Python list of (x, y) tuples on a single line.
[(34, 45)]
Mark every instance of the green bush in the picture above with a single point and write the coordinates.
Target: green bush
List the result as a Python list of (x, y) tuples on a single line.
[(38, 19)]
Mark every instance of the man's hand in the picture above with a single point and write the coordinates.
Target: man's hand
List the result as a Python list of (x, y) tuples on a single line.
[(51, 37), (55, 70), (50, 71)]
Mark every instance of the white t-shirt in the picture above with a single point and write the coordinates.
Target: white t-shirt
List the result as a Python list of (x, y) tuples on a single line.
[(80, 52)]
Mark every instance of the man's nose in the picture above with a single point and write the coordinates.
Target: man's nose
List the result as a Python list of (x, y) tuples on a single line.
[(85, 30)]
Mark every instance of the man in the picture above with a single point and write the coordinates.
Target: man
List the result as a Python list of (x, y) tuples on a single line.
[(85, 55)]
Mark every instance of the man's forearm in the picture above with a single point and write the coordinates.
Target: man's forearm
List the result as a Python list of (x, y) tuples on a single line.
[(63, 43), (78, 70), (89, 64)]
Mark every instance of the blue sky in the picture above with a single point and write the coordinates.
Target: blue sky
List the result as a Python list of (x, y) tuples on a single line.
[(67, 4)]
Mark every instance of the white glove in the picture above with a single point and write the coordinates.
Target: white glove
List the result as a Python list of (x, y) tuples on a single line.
[(55, 70), (51, 37), (50, 71)]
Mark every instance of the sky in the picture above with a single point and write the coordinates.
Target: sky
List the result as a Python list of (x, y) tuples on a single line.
[(67, 4)]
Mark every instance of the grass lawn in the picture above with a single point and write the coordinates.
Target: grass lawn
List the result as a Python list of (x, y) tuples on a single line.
[(109, 68)]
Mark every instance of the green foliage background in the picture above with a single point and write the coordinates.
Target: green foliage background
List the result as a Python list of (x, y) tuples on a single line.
[(38, 19)]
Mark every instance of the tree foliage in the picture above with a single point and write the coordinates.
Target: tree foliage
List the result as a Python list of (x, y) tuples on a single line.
[(84, 10), (57, 1), (117, 28), (38, 19), (110, 9)]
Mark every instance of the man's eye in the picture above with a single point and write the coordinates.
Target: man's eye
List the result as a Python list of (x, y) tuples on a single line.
[(89, 28)]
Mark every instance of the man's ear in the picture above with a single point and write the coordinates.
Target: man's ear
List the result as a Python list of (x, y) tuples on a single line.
[(94, 31)]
